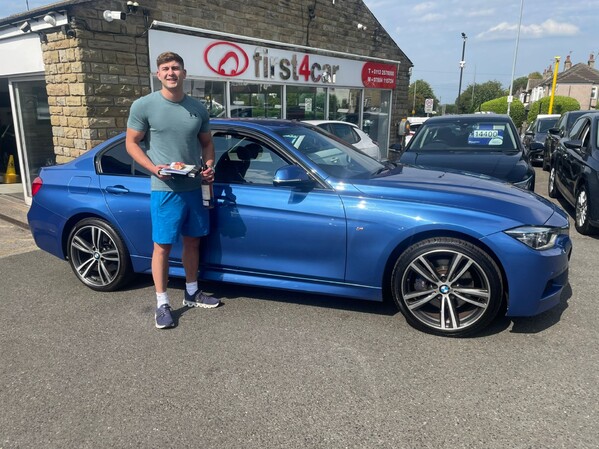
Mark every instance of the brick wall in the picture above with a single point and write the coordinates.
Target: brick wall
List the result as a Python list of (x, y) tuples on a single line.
[(93, 78)]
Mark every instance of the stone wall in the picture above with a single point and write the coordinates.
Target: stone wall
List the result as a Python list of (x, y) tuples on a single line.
[(93, 77)]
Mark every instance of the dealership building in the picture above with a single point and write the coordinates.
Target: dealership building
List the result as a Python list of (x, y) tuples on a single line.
[(72, 69)]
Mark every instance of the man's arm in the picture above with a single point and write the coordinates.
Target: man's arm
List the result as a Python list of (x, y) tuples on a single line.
[(132, 141)]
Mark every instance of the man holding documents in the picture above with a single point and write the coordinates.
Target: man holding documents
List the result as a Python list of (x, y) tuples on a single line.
[(176, 130)]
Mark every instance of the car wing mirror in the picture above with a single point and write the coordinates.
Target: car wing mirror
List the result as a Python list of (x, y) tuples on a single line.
[(554, 131), (292, 176), (573, 144), (536, 146)]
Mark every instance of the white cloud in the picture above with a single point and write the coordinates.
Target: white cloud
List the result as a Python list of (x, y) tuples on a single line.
[(431, 17), (548, 28), (425, 6)]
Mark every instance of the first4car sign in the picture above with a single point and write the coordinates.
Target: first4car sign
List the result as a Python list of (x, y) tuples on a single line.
[(215, 58)]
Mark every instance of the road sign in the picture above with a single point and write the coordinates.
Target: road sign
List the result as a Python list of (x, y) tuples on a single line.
[(428, 105)]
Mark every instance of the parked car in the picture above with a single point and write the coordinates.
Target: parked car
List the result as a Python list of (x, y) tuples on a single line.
[(350, 133), (415, 124), (487, 144), (561, 129), (574, 172), (297, 209), (534, 136)]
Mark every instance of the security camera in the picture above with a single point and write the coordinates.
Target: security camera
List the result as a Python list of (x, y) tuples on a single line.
[(50, 20), (109, 16), (26, 27)]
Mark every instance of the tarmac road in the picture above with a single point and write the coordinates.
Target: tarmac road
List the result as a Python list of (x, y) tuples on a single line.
[(274, 369)]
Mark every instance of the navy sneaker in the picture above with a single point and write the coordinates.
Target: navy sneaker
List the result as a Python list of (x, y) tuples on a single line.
[(199, 299), (163, 317)]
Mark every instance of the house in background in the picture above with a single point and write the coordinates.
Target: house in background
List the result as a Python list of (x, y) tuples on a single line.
[(579, 81)]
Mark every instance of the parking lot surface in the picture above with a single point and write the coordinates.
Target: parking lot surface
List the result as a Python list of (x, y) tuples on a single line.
[(273, 369)]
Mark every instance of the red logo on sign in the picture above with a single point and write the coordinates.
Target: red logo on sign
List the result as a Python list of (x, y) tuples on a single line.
[(379, 76), (226, 59)]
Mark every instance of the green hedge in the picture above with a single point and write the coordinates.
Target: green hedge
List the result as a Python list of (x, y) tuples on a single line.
[(561, 104), (499, 106)]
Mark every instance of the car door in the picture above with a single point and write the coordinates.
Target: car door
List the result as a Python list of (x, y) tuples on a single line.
[(573, 160), (265, 230), (126, 189)]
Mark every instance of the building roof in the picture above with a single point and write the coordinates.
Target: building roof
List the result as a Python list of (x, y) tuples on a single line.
[(578, 74)]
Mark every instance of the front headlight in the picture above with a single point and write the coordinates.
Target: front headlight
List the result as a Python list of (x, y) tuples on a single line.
[(537, 237)]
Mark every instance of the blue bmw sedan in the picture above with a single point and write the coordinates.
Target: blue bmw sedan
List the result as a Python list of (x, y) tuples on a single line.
[(299, 210)]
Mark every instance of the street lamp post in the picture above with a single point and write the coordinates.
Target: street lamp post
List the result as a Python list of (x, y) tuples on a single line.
[(462, 64), (510, 97)]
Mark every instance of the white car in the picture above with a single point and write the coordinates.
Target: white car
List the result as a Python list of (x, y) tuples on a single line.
[(415, 123), (350, 133)]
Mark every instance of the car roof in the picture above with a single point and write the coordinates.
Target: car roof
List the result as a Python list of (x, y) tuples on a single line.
[(320, 122), (487, 118), (547, 116)]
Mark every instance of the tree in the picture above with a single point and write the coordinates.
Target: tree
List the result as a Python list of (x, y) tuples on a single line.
[(561, 104), (476, 94), (423, 91), (499, 106)]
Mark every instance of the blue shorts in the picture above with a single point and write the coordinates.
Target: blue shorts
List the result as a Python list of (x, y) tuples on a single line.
[(175, 213)]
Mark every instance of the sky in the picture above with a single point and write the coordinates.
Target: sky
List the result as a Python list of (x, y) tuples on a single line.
[(429, 32)]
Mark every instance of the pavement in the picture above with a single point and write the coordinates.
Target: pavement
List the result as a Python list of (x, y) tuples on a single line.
[(13, 208)]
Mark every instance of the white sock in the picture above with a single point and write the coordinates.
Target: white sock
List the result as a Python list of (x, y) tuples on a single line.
[(191, 287), (161, 299)]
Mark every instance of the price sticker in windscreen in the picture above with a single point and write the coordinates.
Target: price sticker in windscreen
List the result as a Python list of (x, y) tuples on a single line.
[(486, 134)]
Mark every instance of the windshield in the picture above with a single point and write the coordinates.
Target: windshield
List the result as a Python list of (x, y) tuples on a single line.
[(545, 124), (465, 134), (336, 158)]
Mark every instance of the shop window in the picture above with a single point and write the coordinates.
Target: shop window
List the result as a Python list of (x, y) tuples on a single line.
[(210, 93), (305, 103), (375, 118), (256, 100), (344, 104)]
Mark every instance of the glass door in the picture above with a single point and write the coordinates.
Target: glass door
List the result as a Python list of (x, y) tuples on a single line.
[(33, 129)]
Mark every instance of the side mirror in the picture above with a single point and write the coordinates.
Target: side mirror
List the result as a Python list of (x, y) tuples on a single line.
[(292, 176), (536, 146), (573, 144), (554, 131)]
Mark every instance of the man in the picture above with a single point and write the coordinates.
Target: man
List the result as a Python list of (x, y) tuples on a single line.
[(175, 128)]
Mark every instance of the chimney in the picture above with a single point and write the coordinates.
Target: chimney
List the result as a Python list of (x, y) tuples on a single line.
[(568, 63), (592, 61)]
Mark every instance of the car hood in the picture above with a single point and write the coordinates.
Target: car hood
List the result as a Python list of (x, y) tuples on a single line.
[(505, 166), (466, 191)]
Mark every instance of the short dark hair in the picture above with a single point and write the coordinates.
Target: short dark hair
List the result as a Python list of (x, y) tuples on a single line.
[(169, 56)]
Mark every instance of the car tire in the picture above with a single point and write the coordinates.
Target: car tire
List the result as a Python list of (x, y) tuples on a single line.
[(551, 184), (545, 162), (447, 286), (98, 256), (581, 213)]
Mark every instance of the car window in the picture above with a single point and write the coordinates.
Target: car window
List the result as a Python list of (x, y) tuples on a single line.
[(464, 135), (545, 124), (561, 124), (116, 161), (344, 132), (585, 136), (244, 160), (575, 132)]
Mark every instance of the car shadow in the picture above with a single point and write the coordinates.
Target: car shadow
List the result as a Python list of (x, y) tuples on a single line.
[(225, 292)]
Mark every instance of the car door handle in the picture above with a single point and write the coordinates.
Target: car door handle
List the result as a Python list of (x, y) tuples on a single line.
[(224, 201), (118, 190)]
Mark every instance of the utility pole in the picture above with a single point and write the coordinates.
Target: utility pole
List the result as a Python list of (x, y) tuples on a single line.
[(462, 64), (557, 58), (510, 97)]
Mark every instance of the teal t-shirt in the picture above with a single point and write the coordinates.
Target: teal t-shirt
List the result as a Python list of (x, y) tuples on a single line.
[(171, 134)]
